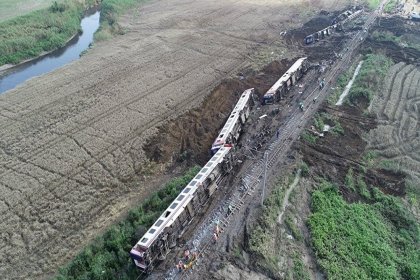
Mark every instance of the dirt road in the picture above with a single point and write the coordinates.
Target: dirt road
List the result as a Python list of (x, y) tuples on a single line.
[(71, 141)]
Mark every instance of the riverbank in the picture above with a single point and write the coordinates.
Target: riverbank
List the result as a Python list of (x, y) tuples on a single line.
[(41, 31)]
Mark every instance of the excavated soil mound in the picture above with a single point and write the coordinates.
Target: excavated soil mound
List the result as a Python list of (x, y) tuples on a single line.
[(189, 137)]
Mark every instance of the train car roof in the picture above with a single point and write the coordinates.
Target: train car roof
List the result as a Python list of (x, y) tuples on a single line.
[(178, 205), (285, 76), (233, 117)]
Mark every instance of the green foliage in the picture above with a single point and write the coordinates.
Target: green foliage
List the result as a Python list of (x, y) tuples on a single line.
[(107, 257), (261, 235), (337, 128), (390, 6), (369, 158), (58, 7), (304, 169), (372, 4), (40, 31), (364, 241), (369, 80), (299, 270), (293, 229), (349, 180), (362, 188), (319, 122), (308, 137)]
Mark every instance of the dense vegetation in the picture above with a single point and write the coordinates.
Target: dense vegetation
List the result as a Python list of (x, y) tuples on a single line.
[(370, 77), (374, 240), (40, 31), (107, 257), (109, 14)]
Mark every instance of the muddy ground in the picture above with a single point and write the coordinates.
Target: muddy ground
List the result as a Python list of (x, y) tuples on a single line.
[(72, 140)]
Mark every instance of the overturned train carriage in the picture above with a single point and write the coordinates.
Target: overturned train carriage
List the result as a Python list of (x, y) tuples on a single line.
[(289, 79), (231, 130), (163, 235)]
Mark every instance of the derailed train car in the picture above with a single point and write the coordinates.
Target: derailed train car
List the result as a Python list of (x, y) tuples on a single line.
[(231, 130), (166, 231), (289, 79)]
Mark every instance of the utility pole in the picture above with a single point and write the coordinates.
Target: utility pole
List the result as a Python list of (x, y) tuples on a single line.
[(265, 177)]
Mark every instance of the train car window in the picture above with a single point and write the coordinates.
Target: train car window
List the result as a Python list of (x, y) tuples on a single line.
[(193, 183), (158, 223), (187, 190), (181, 197), (144, 240), (204, 170), (208, 164), (151, 231), (198, 176), (174, 205)]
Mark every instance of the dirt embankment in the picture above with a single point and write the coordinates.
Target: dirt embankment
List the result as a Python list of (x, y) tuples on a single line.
[(189, 137)]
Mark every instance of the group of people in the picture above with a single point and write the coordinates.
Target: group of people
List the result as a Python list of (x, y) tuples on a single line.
[(187, 261)]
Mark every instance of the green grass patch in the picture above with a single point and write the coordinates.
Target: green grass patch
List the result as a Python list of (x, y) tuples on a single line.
[(108, 255), (364, 241), (372, 4), (309, 137), (390, 6), (299, 270), (40, 31), (261, 240), (304, 169), (110, 10), (294, 230), (370, 78)]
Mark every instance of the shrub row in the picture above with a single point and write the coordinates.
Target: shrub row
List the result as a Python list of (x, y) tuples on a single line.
[(108, 255)]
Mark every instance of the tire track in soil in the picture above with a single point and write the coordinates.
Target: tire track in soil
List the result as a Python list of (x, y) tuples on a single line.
[(397, 92), (118, 107), (135, 99), (50, 188), (405, 88), (393, 73)]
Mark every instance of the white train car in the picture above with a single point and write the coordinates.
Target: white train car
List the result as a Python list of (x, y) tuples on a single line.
[(163, 235), (286, 81), (231, 130)]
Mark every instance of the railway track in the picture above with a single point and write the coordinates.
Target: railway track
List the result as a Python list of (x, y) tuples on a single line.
[(274, 154)]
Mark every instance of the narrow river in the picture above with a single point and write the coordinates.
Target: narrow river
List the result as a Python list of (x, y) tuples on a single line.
[(54, 60)]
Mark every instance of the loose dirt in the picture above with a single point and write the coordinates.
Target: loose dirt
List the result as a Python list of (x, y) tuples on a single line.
[(72, 140)]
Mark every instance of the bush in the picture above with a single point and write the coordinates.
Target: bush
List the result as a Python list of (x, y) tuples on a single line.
[(308, 137)]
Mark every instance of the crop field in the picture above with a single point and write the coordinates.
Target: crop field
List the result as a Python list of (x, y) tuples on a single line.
[(396, 138)]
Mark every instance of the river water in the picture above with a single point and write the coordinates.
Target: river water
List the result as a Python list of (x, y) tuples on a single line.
[(53, 60)]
